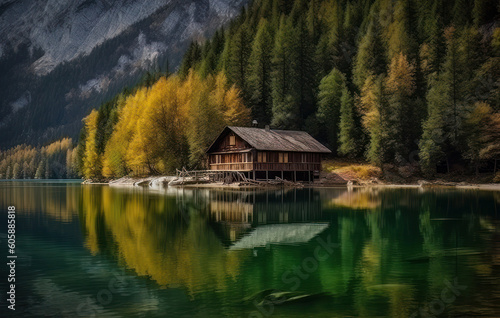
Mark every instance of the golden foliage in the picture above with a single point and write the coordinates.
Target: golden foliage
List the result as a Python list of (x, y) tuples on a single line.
[(91, 166), (369, 104), (401, 76), (57, 156), (151, 241), (161, 128)]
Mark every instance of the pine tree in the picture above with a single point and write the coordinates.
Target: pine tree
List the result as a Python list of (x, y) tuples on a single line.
[(349, 141), (239, 54), (433, 138), (432, 49), (305, 68), (313, 23), (477, 126), (344, 39), (453, 77), (399, 33), (485, 86), (402, 115), (286, 112), (323, 56), (212, 53), (336, 32), (471, 55), (191, 59), (329, 103), (259, 79), (370, 59), (447, 106)]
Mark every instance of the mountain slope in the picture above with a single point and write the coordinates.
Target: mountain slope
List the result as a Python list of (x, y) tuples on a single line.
[(58, 59)]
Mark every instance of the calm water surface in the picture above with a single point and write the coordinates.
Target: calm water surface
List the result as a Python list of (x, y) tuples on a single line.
[(94, 250)]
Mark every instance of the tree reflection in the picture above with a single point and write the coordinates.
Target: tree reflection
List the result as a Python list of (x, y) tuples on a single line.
[(396, 246)]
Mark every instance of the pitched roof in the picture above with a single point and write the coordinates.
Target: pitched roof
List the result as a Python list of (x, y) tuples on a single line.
[(277, 140)]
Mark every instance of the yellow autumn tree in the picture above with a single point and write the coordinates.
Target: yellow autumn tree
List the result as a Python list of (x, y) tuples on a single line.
[(371, 103), (170, 124), (115, 155), (91, 164), (206, 119), (236, 113), (164, 126)]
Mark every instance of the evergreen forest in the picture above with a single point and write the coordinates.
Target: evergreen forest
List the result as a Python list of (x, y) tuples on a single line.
[(390, 82)]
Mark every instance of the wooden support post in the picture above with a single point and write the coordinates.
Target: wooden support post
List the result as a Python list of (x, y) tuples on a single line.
[(267, 175), (294, 176), (281, 174), (309, 176)]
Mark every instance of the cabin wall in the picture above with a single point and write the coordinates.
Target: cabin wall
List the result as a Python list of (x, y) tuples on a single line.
[(231, 161), (231, 153), (231, 142), (265, 161)]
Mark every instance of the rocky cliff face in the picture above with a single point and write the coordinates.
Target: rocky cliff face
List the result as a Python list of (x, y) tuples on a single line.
[(64, 29), (60, 58)]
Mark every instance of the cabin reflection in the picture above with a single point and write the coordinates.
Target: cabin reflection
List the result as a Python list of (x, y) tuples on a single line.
[(235, 214)]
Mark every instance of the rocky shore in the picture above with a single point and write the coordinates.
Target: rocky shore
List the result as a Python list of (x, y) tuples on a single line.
[(329, 181)]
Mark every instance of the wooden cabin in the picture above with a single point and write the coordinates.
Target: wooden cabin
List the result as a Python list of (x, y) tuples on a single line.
[(267, 153)]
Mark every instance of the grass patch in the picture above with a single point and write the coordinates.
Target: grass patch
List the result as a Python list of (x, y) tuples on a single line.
[(352, 170)]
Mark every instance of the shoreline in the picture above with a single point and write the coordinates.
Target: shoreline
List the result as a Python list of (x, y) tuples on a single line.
[(162, 181)]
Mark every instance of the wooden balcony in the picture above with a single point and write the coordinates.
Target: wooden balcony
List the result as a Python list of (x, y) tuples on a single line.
[(237, 166), (265, 166), (291, 166)]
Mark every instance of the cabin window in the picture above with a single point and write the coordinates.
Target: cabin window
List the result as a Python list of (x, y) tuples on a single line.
[(285, 157), (261, 157), (280, 156), (232, 140)]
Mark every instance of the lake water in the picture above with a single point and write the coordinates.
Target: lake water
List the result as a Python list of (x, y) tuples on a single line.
[(95, 250)]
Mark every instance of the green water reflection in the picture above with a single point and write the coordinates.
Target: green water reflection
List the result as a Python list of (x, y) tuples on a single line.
[(103, 251)]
